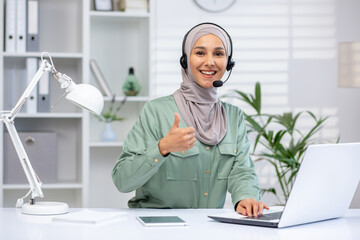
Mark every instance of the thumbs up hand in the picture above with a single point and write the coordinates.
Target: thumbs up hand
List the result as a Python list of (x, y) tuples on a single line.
[(177, 139)]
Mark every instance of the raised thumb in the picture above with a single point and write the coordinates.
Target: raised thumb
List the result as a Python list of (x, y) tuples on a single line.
[(177, 121)]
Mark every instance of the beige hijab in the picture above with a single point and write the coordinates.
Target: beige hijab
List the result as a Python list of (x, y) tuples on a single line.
[(200, 107)]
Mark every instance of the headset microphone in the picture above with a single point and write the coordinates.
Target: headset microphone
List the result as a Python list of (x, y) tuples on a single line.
[(219, 83)]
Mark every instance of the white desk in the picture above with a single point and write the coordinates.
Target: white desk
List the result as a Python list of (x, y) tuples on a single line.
[(14, 225)]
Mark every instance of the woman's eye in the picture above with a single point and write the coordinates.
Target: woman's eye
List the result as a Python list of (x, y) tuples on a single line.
[(219, 53), (200, 53)]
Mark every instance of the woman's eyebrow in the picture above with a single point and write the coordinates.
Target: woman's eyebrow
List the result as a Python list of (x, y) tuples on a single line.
[(203, 48), (200, 47)]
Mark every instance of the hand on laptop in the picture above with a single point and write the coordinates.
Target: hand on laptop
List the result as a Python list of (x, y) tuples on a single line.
[(250, 207)]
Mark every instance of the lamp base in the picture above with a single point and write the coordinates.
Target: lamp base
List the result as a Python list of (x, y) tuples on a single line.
[(45, 208)]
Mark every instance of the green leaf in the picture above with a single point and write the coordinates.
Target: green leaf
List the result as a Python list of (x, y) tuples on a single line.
[(118, 118), (293, 174), (256, 141), (315, 129), (312, 115), (247, 98), (281, 158), (268, 190), (254, 125), (279, 136), (258, 97), (244, 96), (293, 123)]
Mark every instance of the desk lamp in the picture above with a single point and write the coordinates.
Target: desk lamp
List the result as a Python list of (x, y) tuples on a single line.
[(82, 95)]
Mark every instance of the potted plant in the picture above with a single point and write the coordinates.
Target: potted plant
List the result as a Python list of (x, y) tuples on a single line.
[(110, 116), (283, 142)]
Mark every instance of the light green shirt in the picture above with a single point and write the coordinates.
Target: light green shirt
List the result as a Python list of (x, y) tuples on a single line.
[(196, 178)]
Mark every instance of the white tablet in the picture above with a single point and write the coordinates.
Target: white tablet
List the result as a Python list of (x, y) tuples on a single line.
[(161, 221)]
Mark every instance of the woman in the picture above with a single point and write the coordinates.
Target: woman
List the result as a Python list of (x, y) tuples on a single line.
[(187, 149)]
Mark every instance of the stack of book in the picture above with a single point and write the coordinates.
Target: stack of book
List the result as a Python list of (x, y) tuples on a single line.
[(137, 6)]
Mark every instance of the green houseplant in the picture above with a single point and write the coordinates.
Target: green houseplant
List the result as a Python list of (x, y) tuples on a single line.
[(111, 114), (284, 144)]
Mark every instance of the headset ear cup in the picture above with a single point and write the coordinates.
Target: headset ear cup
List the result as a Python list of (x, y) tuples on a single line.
[(183, 61), (230, 64)]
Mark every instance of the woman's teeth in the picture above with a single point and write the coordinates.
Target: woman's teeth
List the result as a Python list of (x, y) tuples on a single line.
[(208, 72)]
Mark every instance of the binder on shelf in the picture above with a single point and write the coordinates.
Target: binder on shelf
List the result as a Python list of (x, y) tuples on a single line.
[(11, 95), (100, 80), (32, 41), (31, 69), (43, 101), (10, 26), (21, 26), (14, 83)]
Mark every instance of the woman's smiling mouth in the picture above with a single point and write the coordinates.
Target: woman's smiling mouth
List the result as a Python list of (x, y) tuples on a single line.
[(208, 72)]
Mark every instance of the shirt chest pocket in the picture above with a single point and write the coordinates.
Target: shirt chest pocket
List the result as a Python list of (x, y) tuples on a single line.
[(228, 154), (183, 165)]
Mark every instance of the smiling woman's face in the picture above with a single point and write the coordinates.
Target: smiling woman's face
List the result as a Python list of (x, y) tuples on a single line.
[(208, 60)]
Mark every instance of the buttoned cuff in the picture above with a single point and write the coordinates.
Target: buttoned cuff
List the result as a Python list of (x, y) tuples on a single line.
[(235, 207), (154, 157)]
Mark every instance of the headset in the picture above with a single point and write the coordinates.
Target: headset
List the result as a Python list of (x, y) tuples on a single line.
[(230, 62)]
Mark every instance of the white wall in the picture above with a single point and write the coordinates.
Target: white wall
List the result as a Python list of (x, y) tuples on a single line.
[(290, 46)]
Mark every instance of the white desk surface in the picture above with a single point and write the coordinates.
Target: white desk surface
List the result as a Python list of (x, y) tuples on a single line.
[(14, 225)]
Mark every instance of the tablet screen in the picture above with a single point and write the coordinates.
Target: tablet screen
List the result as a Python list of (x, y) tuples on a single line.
[(161, 221)]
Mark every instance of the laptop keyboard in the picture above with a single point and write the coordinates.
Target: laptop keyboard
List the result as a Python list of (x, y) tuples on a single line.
[(268, 216)]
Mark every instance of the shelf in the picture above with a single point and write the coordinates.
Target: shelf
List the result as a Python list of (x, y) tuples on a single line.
[(45, 186), (129, 99), (38, 54), (106, 144), (50, 115), (117, 14)]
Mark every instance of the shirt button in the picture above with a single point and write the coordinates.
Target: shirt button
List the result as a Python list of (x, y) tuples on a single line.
[(207, 171), (206, 194), (156, 160), (234, 150), (207, 148), (183, 152)]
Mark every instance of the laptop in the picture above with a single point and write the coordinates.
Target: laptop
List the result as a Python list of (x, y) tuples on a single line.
[(323, 189)]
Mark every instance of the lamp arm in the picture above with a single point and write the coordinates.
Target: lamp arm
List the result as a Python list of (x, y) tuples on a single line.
[(34, 181), (44, 66), (8, 119)]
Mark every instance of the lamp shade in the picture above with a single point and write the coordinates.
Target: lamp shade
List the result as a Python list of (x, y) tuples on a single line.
[(349, 64), (86, 96)]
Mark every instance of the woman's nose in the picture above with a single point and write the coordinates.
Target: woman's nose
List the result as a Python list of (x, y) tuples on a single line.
[(209, 61)]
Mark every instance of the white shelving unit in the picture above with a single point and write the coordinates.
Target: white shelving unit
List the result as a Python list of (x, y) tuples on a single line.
[(73, 33), (63, 39), (117, 41)]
